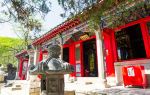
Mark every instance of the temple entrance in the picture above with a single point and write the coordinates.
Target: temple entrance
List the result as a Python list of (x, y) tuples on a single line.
[(130, 43), (90, 59), (66, 54)]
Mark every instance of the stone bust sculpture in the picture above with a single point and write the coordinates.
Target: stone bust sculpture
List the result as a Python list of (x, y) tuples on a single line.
[(52, 63)]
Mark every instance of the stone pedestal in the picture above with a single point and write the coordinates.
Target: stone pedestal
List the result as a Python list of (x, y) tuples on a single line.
[(34, 88), (55, 84)]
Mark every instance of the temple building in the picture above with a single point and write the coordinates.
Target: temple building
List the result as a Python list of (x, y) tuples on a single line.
[(23, 60), (99, 56)]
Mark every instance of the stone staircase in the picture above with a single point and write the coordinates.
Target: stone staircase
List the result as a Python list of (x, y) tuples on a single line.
[(16, 87)]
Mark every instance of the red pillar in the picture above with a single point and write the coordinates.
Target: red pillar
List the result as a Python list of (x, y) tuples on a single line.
[(109, 51), (40, 56), (20, 67), (145, 38), (72, 57)]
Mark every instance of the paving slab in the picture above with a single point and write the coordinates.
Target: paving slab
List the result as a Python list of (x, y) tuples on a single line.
[(92, 89), (81, 89)]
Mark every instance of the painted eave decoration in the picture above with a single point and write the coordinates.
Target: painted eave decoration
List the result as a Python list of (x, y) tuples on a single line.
[(58, 29)]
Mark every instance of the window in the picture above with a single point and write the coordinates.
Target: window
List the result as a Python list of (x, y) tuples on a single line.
[(130, 43), (66, 54)]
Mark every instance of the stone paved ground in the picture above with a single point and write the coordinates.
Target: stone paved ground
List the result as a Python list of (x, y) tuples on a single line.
[(117, 90), (82, 89), (122, 91), (1, 84), (14, 90)]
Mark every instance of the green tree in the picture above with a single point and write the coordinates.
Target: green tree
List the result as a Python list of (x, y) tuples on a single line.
[(8, 48)]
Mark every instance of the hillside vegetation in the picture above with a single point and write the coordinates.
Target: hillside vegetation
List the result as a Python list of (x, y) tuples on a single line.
[(8, 48)]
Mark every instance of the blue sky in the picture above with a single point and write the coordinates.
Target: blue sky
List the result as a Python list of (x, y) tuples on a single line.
[(52, 19)]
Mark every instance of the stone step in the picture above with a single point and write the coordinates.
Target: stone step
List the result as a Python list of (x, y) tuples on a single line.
[(18, 85), (69, 93), (16, 88)]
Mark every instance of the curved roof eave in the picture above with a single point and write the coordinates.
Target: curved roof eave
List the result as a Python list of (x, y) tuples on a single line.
[(58, 29)]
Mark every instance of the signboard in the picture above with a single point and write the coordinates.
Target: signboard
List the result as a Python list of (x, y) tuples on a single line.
[(134, 76), (78, 67), (130, 71)]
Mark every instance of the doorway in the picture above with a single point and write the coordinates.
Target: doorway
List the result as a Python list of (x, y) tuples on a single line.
[(66, 54), (90, 58)]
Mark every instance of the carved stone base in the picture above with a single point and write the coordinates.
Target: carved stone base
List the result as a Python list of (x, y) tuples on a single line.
[(55, 84)]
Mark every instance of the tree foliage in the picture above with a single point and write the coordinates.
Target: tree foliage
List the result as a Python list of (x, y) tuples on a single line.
[(28, 15), (93, 10), (87, 9), (73, 7), (23, 11), (29, 12), (8, 48)]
